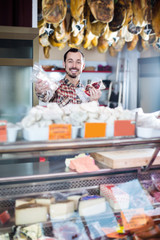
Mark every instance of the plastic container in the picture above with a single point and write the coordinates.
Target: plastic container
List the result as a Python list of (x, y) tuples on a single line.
[(12, 133), (147, 132), (36, 133)]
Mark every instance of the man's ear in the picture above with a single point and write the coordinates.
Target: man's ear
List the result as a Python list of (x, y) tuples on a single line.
[(83, 66), (64, 64)]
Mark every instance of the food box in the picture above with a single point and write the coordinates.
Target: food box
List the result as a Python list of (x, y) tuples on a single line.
[(147, 132), (36, 133)]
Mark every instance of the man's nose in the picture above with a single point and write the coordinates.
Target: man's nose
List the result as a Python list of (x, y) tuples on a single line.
[(74, 64)]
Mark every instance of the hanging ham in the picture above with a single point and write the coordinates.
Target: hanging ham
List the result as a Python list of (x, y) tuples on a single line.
[(102, 10), (77, 8), (156, 18), (54, 11), (119, 16)]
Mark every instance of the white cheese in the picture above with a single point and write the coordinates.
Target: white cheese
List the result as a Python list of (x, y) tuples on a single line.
[(62, 210), (28, 214), (92, 206)]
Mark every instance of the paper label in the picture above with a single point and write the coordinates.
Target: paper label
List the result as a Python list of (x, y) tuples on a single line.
[(60, 131), (94, 130), (3, 130), (124, 128)]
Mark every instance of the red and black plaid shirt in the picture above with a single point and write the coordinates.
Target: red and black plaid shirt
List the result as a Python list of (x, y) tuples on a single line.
[(66, 93)]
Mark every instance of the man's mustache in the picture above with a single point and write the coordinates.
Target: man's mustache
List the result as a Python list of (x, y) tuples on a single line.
[(74, 69)]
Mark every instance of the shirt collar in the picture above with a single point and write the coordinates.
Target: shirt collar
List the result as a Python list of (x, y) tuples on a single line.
[(69, 84)]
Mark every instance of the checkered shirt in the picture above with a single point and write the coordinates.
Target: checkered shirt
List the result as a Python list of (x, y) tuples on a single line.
[(66, 93)]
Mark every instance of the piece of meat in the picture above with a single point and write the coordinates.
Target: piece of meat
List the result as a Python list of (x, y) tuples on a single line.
[(131, 45), (96, 85), (118, 46), (60, 31), (102, 10), (146, 10), (102, 45), (46, 51), (119, 16), (54, 11), (129, 12), (77, 8), (83, 164), (156, 18), (138, 20), (112, 51)]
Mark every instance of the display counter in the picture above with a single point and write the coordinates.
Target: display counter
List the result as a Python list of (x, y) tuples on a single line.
[(30, 169)]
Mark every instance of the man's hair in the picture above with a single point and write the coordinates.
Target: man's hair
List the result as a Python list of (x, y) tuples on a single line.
[(73, 50)]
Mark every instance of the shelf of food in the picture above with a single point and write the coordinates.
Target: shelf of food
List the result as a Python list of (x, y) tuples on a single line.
[(63, 71)]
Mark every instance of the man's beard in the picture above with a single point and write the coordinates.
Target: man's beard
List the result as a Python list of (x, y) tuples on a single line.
[(70, 75)]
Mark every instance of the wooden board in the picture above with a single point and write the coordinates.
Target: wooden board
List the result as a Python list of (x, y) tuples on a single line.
[(126, 158)]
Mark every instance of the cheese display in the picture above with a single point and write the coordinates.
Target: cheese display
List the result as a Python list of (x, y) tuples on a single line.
[(117, 198), (91, 205), (75, 199), (62, 209), (30, 213)]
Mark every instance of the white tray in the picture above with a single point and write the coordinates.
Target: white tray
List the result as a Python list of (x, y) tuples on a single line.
[(147, 132)]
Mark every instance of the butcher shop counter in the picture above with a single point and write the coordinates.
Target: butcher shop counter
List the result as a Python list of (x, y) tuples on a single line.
[(31, 169)]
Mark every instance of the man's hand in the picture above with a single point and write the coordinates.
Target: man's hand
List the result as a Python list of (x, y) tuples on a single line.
[(95, 94), (41, 87)]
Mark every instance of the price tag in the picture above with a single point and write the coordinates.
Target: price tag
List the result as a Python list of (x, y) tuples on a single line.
[(60, 131), (124, 128), (95, 130), (3, 131)]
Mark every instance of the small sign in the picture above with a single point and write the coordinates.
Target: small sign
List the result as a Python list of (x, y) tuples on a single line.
[(124, 128), (60, 131), (95, 130), (3, 130)]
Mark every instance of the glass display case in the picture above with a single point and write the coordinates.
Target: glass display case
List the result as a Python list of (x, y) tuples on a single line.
[(38, 170)]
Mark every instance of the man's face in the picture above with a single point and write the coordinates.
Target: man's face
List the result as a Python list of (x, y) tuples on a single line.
[(74, 64)]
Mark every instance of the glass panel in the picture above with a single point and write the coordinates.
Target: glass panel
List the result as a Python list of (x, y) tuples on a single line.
[(15, 92), (11, 48)]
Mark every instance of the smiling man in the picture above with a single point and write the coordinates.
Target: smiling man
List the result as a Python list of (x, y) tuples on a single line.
[(70, 89)]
